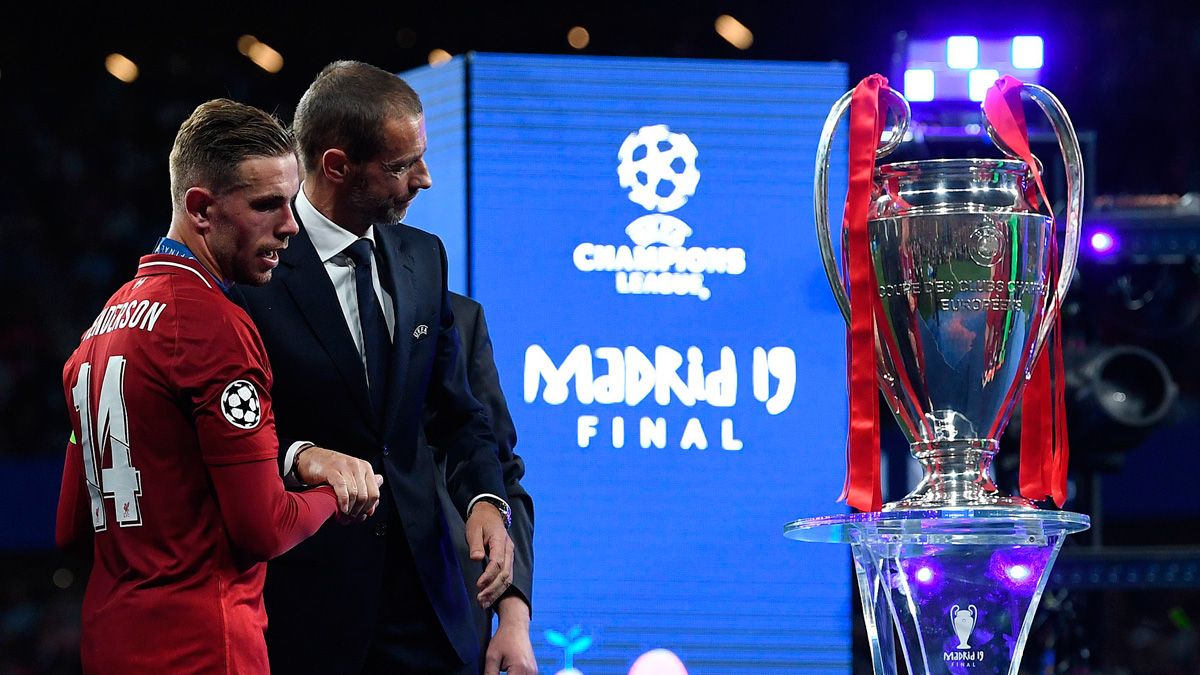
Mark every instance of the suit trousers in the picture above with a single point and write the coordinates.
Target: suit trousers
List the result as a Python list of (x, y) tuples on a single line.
[(409, 638)]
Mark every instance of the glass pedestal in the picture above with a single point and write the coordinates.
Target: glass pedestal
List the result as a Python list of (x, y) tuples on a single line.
[(955, 589)]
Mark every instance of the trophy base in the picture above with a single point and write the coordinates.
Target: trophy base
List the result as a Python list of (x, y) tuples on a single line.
[(957, 474), (958, 587), (980, 500)]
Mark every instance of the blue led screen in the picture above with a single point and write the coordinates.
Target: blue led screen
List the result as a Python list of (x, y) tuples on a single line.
[(640, 233)]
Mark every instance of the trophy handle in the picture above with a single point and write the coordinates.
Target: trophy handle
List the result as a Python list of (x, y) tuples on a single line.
[(1068, 144), (821, 181)]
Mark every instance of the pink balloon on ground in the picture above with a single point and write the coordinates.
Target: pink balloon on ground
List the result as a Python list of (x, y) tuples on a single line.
[(658, 662)]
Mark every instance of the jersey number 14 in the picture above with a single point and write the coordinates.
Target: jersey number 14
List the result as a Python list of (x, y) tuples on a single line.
[(107, 427)]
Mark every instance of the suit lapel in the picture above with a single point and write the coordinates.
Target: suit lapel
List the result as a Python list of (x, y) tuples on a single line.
[(308, 283), (399, 269)]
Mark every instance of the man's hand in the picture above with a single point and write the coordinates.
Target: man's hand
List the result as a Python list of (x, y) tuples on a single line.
[(353, 480), (487, 538), (510, 649)]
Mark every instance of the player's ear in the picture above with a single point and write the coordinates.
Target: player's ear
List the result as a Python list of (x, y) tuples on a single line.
[(197, 202), (335, 165)]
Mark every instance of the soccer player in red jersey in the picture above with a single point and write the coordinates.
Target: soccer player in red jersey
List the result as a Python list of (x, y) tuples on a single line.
[(171, 479)]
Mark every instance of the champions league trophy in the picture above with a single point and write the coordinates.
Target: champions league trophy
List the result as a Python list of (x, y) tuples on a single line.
[(956, 283)]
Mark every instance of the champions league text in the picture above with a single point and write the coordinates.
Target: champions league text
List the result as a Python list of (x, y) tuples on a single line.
[(660, 270)]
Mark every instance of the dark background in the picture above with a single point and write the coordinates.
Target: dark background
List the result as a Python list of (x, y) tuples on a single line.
[(85, 192)]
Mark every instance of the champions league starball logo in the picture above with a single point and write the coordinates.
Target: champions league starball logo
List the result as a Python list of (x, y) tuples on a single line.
[(653, 156), (658, 168), (239, 404)]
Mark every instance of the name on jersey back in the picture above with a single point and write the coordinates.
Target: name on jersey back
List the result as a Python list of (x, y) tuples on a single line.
[(139, 314)]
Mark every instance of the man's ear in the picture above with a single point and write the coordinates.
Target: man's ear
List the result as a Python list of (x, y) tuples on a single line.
[(197, 202), (335, 165)]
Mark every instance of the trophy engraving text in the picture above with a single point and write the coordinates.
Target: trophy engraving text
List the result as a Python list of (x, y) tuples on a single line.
[(1014, 293)]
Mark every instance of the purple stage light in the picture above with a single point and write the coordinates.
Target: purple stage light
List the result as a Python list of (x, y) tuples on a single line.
[(918, 84), (978, 82), (962, 52), (1019, 566), (923, 573), (1028, 52), (1103, 242), (1018, 573), (959, 68)]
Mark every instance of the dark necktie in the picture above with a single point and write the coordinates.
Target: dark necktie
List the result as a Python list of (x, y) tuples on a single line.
[(376, 341)]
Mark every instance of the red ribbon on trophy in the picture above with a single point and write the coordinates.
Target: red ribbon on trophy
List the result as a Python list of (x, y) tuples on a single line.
[(862, 489), (1044, 450)]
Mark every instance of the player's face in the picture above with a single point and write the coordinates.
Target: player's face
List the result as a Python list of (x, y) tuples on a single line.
[(384, 186), (251, 222)]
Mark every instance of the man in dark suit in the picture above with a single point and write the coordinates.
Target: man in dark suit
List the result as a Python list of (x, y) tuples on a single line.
[(510, 648), (359, 330)]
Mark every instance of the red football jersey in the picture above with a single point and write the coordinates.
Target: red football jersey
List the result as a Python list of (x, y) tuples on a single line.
[(169, 388)]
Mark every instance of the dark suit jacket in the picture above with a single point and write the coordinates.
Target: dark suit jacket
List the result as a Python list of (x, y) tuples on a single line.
[(327, 591), (485, 384)]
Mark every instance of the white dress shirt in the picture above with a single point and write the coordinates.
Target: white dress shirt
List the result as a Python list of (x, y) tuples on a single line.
[(331, 241)]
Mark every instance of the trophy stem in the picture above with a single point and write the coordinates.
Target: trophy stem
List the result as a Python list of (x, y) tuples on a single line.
[(956, 474)]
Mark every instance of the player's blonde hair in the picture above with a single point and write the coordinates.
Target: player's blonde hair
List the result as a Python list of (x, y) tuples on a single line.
[(216, 138)]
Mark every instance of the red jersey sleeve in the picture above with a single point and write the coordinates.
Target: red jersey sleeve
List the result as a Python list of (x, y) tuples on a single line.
[(220, 367), (73, 527), (262, 518)]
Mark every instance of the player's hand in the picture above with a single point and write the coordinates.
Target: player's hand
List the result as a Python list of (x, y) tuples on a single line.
[(487, 538), (353, 480), (510, 649)]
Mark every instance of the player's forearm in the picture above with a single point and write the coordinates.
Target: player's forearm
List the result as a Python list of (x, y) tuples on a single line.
[(262, 518)]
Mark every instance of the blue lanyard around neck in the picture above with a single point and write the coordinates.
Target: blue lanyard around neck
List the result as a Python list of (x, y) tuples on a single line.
[(167, 246)]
